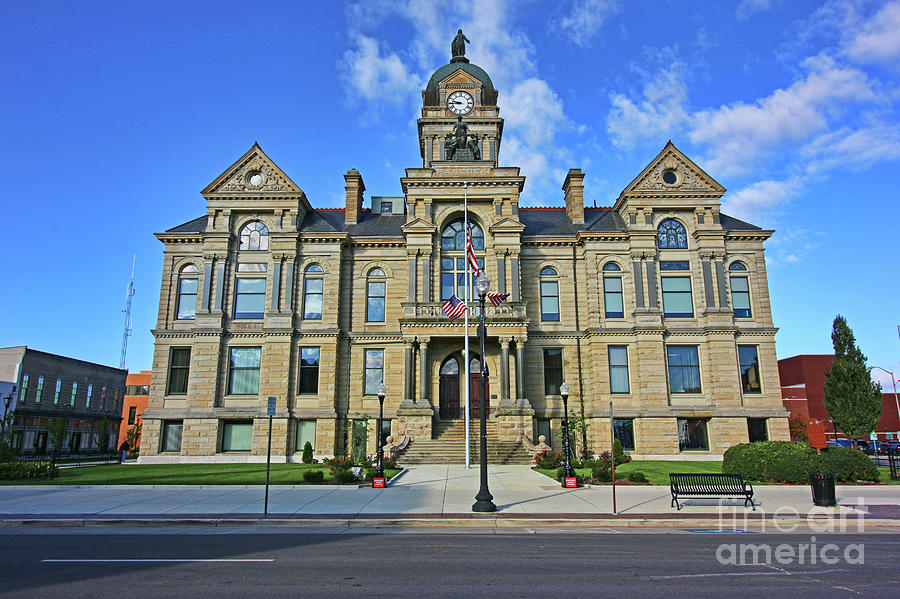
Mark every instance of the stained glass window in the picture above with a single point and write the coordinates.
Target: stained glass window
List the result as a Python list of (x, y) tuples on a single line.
[(671, 235)]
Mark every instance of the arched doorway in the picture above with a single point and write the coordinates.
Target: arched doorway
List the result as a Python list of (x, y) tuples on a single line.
[(451, 403), (449, 399)]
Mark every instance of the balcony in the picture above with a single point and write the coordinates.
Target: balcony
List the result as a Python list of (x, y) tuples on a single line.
[(421, 313)]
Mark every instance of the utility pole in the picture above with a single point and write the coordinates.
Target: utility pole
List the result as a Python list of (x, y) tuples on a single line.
[(127, 332)]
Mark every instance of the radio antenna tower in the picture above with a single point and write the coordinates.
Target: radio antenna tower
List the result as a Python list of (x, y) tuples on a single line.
[(127, 332)]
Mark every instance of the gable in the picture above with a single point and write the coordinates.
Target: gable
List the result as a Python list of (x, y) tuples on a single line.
[(688, 176), (460, 78), (253, 173)]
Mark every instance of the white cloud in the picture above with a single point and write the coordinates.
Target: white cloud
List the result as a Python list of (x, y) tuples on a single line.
[(878, 39), (586, 18), (791, 245), (737, 134), (661, 111), (372, 74), (758, 201), (748, 8), (857, 148)]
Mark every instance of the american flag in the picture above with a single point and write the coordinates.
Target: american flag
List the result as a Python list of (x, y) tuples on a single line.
[(497, 298), (453, 308), (470, 249)]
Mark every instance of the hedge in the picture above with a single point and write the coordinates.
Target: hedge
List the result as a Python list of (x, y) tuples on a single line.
[(791, 461), (27, 470)]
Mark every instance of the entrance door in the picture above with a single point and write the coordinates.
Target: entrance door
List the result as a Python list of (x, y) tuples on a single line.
[(449, 401), (475, 390), (40, 445)]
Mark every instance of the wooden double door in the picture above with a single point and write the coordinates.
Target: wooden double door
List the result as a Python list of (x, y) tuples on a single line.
[(452, 395)]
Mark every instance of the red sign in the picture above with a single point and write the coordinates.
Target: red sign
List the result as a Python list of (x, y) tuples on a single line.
[(570, 482), (377, 483), (816, 432)]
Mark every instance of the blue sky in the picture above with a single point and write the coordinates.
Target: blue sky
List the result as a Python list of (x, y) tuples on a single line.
[(117, 115)]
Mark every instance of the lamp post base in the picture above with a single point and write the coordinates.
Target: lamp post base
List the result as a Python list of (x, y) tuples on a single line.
[(484, 507)]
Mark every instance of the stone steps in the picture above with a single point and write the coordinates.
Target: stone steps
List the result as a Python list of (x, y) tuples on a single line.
[(448, 446)]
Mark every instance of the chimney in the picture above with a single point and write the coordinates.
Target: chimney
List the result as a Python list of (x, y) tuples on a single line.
[(354, 188), (574, 189)]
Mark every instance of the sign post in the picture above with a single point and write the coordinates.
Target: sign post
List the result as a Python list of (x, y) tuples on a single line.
[(271, 412)]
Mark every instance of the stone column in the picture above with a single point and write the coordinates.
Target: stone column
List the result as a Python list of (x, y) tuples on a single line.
[(514, 283), (220, 282), (423, 372), (520, 370), (412, 278), (276, 282), (426, 277), (207, 282), (501, 274), (720, 278), (638, 280), (707, 280), (651, 283), (409, 392), (504, 370)]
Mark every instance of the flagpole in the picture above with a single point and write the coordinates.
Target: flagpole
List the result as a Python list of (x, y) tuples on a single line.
[(466, 325)]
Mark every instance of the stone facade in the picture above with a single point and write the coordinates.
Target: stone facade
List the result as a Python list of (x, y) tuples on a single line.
[(228, 296)]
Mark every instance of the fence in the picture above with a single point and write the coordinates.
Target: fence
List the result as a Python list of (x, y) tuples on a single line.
[(893, 461)]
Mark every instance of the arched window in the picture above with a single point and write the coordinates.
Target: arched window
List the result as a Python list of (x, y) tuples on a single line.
[(313, 286), (375, 288), (188, 279), (612, 291), (740, 290), (255, 236), (450, 366), (671, 235), (475, 365), (549, 294), (453, 258)]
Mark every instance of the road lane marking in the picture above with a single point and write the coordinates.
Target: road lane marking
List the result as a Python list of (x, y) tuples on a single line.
[(81, 561), (777, 573)]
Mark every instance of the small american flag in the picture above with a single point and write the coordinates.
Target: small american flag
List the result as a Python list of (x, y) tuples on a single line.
[(497, 298), (470, 249), (453, 308)]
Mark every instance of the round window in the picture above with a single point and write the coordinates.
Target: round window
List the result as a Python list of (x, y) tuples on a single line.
[(255, 178), (670, 178)]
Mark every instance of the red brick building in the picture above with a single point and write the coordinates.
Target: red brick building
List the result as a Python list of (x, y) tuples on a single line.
[(803, 395), (137, 392)]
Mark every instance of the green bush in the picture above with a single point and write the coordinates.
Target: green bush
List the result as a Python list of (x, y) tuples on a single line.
[(389, 463), (547, 459), (313, 476), (619, 452), (601, 474), (848, 465), (344, 476), (307, 453), (27, 470), (637, 476), (791, 461)]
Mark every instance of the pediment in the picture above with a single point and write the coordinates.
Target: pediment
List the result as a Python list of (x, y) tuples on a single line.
[(253, 173), (688, 177), (419, 225), (459, 78), (507, 225)]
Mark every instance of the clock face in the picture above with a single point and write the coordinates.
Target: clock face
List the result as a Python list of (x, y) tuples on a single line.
[(460, 102)]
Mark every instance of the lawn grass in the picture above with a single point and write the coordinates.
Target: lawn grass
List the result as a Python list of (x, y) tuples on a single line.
[(657, 472), (185, 474), (884, 476)]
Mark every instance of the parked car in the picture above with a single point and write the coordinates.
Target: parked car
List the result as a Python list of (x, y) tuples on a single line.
[(840, 443)]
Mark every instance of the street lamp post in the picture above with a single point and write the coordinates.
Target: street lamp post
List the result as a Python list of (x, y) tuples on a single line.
[(894, 383), (378, 481), (483, 500), (564, 391)]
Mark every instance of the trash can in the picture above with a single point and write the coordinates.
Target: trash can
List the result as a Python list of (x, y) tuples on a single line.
[(823, 488)]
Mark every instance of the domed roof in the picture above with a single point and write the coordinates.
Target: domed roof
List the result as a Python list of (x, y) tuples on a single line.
[(488, 93)]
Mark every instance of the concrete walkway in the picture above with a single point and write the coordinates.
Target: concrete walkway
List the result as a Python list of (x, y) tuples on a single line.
[(426, 492)]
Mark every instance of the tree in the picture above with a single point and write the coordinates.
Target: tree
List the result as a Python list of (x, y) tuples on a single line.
[(852, 399), (133, 436)]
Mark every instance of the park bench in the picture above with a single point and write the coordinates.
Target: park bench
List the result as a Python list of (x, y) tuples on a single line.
[(710, 485)]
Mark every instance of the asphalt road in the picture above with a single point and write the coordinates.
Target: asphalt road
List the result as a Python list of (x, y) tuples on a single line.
[(286, 562)]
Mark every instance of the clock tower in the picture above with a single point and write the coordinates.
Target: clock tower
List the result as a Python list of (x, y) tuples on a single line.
[(460, 120)]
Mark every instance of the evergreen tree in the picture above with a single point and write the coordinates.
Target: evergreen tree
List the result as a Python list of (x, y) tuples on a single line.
[(852, 399)]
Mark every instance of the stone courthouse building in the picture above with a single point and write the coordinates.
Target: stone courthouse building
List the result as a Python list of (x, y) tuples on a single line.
[(658, 304)]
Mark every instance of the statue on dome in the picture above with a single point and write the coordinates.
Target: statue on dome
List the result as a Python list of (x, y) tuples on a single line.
[(458, 47)]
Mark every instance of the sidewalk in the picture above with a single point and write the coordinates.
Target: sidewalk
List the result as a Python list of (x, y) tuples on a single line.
[(430, 493)]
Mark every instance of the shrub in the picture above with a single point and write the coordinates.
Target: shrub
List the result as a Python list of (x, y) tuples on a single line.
[(307, 453), (848, 465), (338, 464), (791, 461), (344, 476), (619, 452), (389, 463), (27, 470), (637, 477), (601, 474), (313, 476), (369, 473), (548, 459)]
